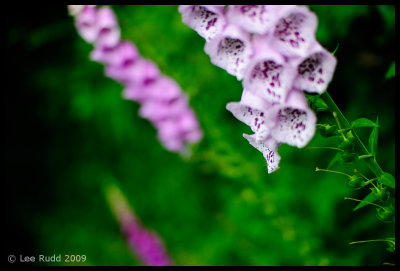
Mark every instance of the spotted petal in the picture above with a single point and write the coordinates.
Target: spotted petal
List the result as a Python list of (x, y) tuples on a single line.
[(251, 111), (268, 75), (257, 19), (294, 121), (294, 32), (206, 20), (231, 50), (316, 70), (268, 148)]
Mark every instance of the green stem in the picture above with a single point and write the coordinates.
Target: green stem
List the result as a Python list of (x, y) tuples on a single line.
[(370, 159)]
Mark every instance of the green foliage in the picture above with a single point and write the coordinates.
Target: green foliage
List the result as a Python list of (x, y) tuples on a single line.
[(391, 71), (68, 130)]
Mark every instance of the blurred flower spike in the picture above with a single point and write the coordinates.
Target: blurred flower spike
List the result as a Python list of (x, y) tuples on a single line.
[(162, 101), (273, 50), (146, 245)]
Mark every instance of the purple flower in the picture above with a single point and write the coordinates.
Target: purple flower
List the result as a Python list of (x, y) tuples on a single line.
[(86, 23), (146, 244), (268, 148), (162, 100), (207, 21), (230, 50), (294, 122), (268, 75), (316, 70), (294, 32), (109, 33), (121, 55), (256, 19)]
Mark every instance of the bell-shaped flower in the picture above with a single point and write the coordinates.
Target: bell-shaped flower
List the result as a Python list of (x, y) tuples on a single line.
[(109, 33), (294, 122), (86, 24), (258, 19), (251, 111), (207, 20), (121, 55), (230, 50), (315, 71), (268, 75), (294, 32), (135, 75), (268, 148)]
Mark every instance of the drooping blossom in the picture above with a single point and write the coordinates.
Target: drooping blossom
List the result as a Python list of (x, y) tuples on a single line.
[(273, 50), (206, 20), (315, 71), (162, 100), (230, 50), (146, 244)]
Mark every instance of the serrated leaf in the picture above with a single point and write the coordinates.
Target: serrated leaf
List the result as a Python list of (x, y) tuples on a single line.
[(371, 197), (391, 71), (387, 179), (363, 122), (373, 139)]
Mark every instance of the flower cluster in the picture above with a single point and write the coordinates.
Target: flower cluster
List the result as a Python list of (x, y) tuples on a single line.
[(272, 49), (146, 244), (162, 100)]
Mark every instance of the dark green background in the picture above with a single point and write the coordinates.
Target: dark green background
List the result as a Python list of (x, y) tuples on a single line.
[(68, 131)]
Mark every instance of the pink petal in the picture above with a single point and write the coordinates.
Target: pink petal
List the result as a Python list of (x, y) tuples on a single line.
[(122, 54), (316, 70), (257, 19), (109, 32), (294, 121), (231, 50), (268, 75), (294, 32), (207, 21), (86, 24)]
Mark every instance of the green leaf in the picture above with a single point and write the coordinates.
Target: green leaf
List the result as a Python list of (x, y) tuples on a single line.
[(335, 159), (373, 139), (334, 51), (371, 197), (363, 122), (387, 179), (391, 71)]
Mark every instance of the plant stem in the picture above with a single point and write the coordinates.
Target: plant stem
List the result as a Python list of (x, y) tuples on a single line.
[(372, 164)]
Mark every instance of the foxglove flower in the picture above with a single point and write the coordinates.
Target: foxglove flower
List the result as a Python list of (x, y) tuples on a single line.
[(146, 244), (268, 75), (121, 55), (162, 100), (316, 70), (257, 19), (109, 33), (268, 148), (294, 122), (86, 23), (294, 32), (207, 21), (230, 50), (251, 110)]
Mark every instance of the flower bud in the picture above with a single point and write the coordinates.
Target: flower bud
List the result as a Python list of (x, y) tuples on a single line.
[(355, 181)]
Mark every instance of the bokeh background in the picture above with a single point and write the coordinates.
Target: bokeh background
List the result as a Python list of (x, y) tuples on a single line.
[(68, 130)]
